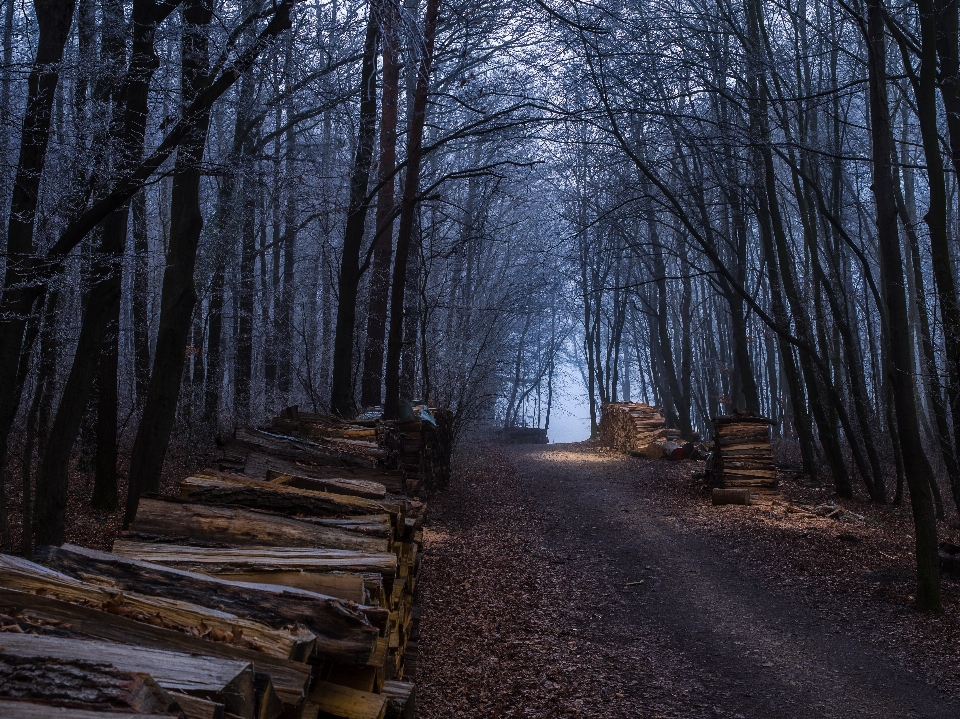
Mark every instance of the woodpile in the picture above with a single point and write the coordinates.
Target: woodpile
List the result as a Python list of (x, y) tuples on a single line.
[(405, 457), (630, 426), (423, 447), (742, 457), (290, 594)]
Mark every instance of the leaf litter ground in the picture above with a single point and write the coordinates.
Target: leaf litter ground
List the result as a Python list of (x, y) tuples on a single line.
[(568, 581)]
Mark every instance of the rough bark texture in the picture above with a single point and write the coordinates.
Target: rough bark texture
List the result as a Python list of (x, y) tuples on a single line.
[(411, 189), (342, 399), (917, 467)]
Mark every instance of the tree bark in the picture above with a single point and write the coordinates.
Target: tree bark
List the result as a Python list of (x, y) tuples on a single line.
[(917, 468), (178, 295), (141, 286), (371, 387), (411, 189), (102, 308), (342, 398), (54, 18)]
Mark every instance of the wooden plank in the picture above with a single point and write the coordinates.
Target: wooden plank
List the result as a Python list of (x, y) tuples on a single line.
[(261, 558), (174, 520), (290, 679), (22, 575), (342, 702), (343, 631), (221, 680)]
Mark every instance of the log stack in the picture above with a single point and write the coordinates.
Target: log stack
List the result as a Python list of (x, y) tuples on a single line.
[(290, 594), (742, 456), (631, 426), (423, 447), (408, 457)]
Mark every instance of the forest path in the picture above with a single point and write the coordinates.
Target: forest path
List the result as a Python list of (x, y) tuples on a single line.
[(558, 581)]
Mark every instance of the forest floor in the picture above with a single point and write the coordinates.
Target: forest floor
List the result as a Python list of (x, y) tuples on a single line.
[(567, 581), (96, 528)]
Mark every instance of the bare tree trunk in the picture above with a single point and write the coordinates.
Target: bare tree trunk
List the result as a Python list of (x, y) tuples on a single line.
[(54, 18), (284, 315), (371, 386), (102, 309), (179, 295), (141, 286), (917, 469), (342, 397), (405, 231)]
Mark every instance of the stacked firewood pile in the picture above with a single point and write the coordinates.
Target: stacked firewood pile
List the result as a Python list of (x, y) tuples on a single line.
[(286, 594), (423, 447), (631, 426), (407, 456), (742, 458)]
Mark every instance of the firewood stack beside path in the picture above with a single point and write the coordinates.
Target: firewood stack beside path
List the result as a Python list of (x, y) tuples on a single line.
[(279, 584), (742, 456), (631, 426)]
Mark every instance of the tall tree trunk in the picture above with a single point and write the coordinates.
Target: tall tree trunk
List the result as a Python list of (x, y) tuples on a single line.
[(917, 469), (371, 385), (937, 31), (102, 308), (342, 398), (243, 354), (411, 188), (53, 19), (140, 288), (214, 373), (179, 295), (284, 314)]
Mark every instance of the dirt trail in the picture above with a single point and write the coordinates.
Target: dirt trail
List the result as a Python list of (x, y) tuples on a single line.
[(562, 582)]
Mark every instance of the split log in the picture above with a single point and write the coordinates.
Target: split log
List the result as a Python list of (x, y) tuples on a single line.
[(318, 561), (333, 700), (344, 453), (343, 631), (197, 708), (666, 450), (244, 492), (268, 702), (373, 525), (221, 680), (92, 685), (258, 464), (336, 485), (366, 679), (172, 520), (730, 496), (32, 710), (290, 679), (401, 699), (345, 586), (21, 575)]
